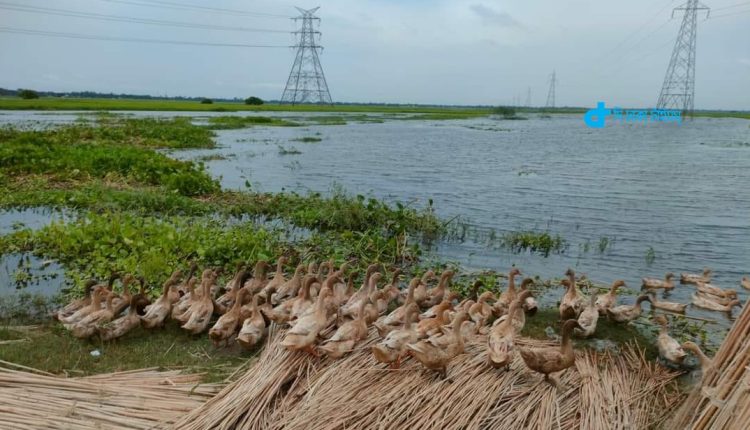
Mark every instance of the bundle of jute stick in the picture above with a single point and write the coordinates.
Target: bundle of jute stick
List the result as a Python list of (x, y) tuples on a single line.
[(722, 401), (292, 390), (139, 399)]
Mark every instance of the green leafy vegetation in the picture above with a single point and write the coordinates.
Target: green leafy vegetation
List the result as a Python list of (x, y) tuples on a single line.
[(650, 255), (234, 122), (288, 151), (96, 244), (77, 152)]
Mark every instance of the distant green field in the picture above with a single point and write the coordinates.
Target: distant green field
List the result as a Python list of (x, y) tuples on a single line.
[(179, 105), (723, 114), (429, 112)]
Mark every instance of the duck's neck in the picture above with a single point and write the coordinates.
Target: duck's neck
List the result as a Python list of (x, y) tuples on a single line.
[(703, 358), (191, 288), (260, 272), (571, 290), (87, 298), (407, 318), (442, 284), (410, 294), (167, 286), (372, 285), (254, 304), (512, 284), (320, 307), (305, 291), (361, 313), (238, 301), (279, 269), (566, 345), (394, 280), (613, 289), (109, 301), (96, 301), (457, 330), (512, 310), (442, 314), (350, 286), (207, 289), (639, 302)]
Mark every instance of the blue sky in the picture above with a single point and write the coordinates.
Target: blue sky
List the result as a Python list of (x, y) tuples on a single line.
[(451, 52)]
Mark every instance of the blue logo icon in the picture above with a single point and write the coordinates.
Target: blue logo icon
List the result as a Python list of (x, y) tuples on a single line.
[(597, 117)]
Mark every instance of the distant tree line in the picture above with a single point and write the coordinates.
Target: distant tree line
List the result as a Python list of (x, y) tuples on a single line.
[(25, 93)]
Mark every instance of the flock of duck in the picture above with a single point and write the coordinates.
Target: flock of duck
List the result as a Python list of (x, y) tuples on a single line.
[(327, 315)]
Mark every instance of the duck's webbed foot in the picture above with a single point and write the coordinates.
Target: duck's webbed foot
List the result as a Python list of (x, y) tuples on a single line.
[(312, 351)]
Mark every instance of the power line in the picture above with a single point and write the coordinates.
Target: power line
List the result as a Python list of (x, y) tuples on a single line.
[(732, 6), (128, 19), (637, 30), (729, 14), (182, 6), (129, 39)]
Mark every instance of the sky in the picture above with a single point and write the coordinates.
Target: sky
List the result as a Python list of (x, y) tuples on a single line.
[(474, 52)]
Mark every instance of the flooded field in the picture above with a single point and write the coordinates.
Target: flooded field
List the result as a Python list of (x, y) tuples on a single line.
[(629, 201)]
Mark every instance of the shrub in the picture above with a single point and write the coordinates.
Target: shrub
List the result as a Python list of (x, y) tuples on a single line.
[(28, 94), (207, 102), (505, 111), (253, 101)]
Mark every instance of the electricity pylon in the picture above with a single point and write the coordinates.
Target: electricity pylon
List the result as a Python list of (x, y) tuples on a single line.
[(307, 83), (528, 97), (678, 89), (551, 94)]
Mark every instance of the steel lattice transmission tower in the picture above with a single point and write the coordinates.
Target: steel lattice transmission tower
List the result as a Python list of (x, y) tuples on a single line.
[(678, 90), (551, 94), (307, 83)]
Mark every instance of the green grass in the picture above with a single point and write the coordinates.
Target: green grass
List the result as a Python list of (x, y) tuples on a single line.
[(52, 349)]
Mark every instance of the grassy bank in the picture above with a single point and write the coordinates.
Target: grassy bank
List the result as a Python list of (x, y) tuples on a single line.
[(53, 349)]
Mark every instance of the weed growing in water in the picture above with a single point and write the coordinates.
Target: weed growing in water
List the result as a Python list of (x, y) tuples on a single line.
[(307, 139)]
